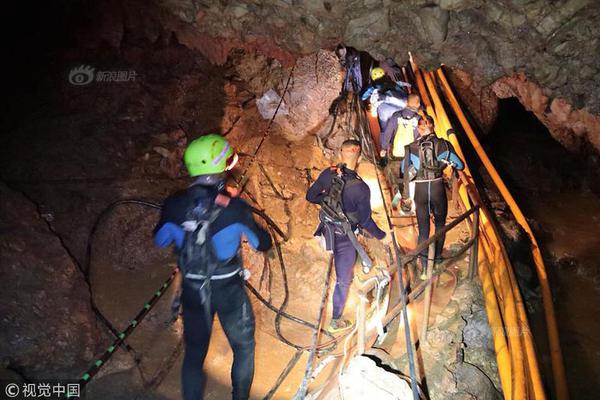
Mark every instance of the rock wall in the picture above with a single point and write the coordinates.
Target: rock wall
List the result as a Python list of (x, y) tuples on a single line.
[(555, 45), (48, 327), (550, 45), (577, 130)]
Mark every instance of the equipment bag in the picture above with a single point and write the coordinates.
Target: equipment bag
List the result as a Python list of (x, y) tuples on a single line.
[(197, 259), (332, 212), (428, 157)]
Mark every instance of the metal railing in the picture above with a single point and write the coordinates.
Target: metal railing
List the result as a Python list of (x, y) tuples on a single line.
[(518, 367), (425, 286)]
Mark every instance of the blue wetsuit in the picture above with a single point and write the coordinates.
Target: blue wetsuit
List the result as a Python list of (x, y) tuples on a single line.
[(357, 206), (228, 297), (430, 192)]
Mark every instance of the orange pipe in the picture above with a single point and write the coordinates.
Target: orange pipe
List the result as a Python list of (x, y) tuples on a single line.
[(513, 384), (560, 380), (508, 278)]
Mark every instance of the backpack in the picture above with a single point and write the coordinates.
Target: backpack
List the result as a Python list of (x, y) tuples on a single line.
[(430, 166), (404, 135), (197, 258), (332, 210)]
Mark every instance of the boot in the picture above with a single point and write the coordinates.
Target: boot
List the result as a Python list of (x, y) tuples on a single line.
[(337, 325)]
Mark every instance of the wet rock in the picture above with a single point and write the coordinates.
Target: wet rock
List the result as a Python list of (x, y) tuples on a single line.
[(48, 327), (474, 382)]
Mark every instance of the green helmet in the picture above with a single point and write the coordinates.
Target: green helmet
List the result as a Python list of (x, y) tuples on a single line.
[(207, 155)]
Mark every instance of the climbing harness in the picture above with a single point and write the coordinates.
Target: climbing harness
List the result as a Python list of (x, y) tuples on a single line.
[(332, 212)]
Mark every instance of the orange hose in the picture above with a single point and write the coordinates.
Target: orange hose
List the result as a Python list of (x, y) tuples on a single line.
[(507, 279), (560, 381), (509, 355)]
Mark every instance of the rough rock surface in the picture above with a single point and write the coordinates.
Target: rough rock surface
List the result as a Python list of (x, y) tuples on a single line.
[(555, 46), (575, 129), (316, 82), (48, 327)]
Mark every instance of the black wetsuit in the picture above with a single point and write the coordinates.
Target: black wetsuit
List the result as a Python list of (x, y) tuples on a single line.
[(228, 297), (430, 192)]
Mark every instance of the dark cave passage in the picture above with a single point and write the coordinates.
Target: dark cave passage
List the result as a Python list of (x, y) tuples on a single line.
[(558, 192)]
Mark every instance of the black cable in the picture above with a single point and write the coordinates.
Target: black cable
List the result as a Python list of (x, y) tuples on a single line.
[(243, 178), (272, 227), (288, 368)]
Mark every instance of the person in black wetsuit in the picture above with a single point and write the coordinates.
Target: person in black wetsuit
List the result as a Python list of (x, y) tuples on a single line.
[(357, 207), (424, 163), (208, 159)]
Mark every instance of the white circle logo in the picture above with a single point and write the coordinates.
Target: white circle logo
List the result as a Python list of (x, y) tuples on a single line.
[(81, 75), (11, 390)]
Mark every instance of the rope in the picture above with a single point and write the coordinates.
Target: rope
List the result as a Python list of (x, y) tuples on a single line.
[(243, 178)]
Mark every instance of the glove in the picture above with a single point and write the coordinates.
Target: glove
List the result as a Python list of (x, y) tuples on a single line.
[(383, 161), (169, 233), (406, 205)]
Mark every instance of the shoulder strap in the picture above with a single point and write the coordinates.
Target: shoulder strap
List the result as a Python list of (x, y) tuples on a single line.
[(197, 253)]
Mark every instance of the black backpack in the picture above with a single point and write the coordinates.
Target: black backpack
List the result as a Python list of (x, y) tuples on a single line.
[(332, 210), (431, 167), (197, 258)]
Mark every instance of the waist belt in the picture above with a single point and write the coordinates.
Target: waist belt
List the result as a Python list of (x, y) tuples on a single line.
[(345, 229), (215, 277), (427, 180)]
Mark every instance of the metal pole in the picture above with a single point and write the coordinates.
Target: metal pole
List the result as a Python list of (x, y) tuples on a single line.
[(428, 291), (473, 262), (361, 324)]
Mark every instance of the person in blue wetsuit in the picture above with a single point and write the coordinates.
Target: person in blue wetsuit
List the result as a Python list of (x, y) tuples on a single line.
[(208, 159), (385, 95), (425, 160), (356, 204)]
